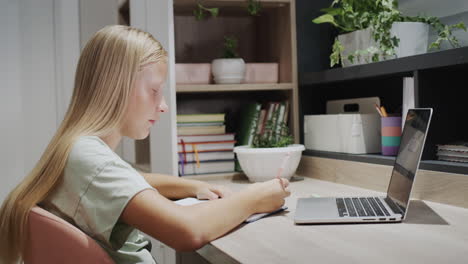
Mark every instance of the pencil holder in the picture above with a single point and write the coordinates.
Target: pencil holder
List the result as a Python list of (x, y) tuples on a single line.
[(391, 135)]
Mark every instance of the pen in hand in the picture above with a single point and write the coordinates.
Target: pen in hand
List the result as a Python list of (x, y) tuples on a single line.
[(281, 168)]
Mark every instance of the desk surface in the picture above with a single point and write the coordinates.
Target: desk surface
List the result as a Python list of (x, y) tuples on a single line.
[(435, 233)]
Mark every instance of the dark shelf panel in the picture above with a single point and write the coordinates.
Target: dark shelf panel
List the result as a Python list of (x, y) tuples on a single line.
[(433, 165), (402, 66)]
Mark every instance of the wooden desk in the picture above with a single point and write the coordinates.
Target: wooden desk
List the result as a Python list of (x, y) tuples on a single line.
[(424, 238)]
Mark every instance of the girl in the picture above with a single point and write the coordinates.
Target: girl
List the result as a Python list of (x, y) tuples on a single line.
[(118, 92)]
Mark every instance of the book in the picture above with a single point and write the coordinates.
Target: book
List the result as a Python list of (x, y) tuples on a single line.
[(191, 201), (261, 121), (206, 167), (193, 118), (453, 159), (454, 146), (189, 157), (279, 120), (248, 123), (197, 130), (204, 137), (204, 146), (199, 124)]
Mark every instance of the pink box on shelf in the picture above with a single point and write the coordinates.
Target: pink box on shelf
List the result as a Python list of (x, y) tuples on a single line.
[(261, 73), (193, 73)]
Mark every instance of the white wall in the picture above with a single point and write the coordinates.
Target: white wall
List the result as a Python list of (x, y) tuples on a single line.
[(433, 7), (449, 11), (94, 15), (36, 58)]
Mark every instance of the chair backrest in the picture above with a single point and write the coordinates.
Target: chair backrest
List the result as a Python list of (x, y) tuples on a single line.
[(53, 240)]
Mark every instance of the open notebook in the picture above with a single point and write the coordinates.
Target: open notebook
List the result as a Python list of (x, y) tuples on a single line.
[(252, 218)]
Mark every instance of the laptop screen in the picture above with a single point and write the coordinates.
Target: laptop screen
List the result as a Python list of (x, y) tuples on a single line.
[(409, 155)]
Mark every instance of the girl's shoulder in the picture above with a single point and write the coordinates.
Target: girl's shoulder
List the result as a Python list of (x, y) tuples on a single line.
[(91, 153)]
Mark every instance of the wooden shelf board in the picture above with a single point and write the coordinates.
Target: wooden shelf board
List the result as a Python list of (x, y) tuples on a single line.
[(194, 88), (221, 3), (434, 165), (401, 66)]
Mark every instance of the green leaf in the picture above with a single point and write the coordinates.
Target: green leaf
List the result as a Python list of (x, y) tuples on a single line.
[(325, 19), (332, 11)]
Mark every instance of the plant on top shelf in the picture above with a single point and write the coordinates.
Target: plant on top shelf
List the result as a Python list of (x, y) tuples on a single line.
[(378, 16), (230, 69), (254, 7), (200, 12)]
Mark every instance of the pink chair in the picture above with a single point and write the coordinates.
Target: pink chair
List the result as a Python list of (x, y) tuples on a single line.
[(54, 240)]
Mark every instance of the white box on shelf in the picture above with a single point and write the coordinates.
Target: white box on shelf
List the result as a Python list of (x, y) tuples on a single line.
[(354, 133), (193, 73)]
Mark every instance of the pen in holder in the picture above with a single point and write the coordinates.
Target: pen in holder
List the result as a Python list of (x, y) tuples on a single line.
[(391, 135)]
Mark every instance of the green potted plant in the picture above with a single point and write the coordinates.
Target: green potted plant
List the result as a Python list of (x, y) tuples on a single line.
[(230, 69), (374, 30), (272, 151)]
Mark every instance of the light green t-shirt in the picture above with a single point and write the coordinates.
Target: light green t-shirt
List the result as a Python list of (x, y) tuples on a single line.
[(97, 185)]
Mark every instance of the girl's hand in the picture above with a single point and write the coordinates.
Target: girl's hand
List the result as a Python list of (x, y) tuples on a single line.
[(205, 191), (269, 195)]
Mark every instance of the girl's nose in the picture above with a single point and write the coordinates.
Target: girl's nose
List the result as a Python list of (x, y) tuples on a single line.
[(163, 106)]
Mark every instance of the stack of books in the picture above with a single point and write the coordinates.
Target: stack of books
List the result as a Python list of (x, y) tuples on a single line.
[(456, 152), (203, 145)]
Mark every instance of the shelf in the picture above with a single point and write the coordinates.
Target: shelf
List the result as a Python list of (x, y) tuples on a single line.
[(402, 66), (222, 3), (199, 88), (434, 165)]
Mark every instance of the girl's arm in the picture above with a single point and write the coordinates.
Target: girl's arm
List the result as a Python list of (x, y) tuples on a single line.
[(187, 228), (173, 187)]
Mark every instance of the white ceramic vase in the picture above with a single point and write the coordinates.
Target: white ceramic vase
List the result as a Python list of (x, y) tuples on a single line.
[(228, 71)]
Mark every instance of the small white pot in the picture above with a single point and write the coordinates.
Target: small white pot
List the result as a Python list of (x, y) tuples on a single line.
[(228, 71), (262, 164)]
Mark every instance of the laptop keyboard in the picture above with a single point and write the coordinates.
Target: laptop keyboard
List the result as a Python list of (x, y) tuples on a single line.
[(354, 207)]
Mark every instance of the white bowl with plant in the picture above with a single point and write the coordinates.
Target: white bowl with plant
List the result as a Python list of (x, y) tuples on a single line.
[(271, 154)]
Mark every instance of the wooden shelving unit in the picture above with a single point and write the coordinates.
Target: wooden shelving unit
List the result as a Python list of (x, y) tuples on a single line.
[(268, 37)]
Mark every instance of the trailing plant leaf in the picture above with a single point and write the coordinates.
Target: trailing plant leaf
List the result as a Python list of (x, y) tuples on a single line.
[(336, 51), (200, 11), (254, 7)]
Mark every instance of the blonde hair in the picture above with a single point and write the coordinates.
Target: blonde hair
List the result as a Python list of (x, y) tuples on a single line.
[(103, 81)]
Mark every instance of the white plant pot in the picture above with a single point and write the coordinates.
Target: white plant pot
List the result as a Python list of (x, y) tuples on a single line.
[(228, 71), (262, 164), (414, 37), (413, 40), (356, 40)]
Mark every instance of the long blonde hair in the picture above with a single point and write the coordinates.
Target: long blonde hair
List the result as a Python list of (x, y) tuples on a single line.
[(103, 81)]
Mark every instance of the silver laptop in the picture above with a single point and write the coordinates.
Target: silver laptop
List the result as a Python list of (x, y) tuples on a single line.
[(394, 206)]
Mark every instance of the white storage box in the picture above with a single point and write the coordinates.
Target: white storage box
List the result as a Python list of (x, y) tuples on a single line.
[(355, 133)]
